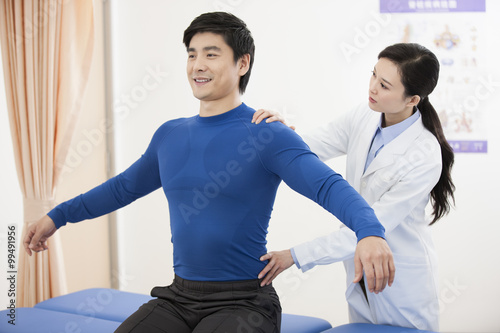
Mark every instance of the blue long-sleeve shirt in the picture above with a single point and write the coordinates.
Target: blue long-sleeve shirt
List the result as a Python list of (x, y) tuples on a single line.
[(220, 175)]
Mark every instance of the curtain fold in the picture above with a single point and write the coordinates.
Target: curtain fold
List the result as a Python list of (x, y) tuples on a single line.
[(47, 48)]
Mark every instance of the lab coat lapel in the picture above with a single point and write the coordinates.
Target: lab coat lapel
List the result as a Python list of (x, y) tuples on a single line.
[(365, 140), (383, 159), (398, 146)]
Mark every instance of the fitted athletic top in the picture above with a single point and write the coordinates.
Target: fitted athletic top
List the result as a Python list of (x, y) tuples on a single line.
[(220, 175)]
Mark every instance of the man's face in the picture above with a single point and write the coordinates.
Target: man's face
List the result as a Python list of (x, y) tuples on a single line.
[(211, 70)]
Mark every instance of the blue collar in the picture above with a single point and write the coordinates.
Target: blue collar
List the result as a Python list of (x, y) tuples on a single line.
[(391, 132)]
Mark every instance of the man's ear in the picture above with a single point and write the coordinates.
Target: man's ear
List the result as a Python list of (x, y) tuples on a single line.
[(414, 100), (244, 64)]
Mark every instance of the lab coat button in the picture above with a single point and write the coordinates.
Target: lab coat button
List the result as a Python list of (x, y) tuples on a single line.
[(363, 184)]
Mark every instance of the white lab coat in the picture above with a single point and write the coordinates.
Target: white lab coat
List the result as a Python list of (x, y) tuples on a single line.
[(397, 186)]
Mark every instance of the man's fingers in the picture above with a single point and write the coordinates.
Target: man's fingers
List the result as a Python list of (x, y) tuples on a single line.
[(369, 277), (37, 235), (36, 239), (374, 256), (40, 246), (380, 279), (392, 271), (377, 277), (28, 250), (358, 269), (27, 242), (386, 274)]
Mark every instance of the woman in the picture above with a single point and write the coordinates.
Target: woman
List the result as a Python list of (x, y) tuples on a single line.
[(398, 159)]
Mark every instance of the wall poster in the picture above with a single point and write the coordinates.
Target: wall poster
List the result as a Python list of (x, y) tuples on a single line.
[(452, 29)]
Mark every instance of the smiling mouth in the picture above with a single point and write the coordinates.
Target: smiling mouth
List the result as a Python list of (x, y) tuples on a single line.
[(202, 80)]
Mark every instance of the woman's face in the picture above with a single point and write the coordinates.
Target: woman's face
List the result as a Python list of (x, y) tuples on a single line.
[(386, 93)]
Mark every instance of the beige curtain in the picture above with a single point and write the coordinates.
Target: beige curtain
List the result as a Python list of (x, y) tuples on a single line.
[(47, 50)]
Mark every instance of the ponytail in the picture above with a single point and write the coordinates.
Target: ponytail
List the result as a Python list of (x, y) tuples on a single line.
[(442, 193), (419, 70)]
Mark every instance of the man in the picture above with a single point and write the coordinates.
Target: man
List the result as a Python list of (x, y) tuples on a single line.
[(220, 175)]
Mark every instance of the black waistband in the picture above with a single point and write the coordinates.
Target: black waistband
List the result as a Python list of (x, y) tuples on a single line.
[(217, 286)]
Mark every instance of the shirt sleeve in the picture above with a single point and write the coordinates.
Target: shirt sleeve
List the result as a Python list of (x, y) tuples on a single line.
[(286, 155), (140, 179)]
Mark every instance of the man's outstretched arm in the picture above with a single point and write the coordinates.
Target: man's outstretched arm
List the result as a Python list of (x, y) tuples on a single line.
[(290, 158)]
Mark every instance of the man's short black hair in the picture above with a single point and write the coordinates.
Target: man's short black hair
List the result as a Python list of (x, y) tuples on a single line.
[(235, 34)]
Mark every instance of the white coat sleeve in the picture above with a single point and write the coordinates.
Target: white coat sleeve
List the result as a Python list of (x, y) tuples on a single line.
[(336, 246), (412, 186), (330, 140)]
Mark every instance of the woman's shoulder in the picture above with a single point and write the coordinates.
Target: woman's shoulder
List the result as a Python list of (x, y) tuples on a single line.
[(426, 143)]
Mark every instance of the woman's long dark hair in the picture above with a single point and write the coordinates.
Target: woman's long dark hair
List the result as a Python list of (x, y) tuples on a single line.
[(419, 70)]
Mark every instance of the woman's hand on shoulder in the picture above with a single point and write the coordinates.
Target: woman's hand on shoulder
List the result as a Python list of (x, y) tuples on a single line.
[(269, 116)]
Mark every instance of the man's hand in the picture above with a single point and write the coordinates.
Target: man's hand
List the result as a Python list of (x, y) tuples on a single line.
[(374, 256), (278, 262), (269, 116), (37, 235)]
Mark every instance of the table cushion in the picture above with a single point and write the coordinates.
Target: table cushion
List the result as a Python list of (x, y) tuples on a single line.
[(103, 303), (372, 328), (30, 320), (302, 324)]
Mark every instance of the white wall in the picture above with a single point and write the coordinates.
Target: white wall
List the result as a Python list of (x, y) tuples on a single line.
[(300, 70)]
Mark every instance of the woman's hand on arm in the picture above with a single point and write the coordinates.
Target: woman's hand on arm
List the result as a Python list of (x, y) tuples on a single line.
[(278, 262)]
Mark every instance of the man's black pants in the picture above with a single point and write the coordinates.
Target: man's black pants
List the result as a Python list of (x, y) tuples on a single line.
[(205, 307)]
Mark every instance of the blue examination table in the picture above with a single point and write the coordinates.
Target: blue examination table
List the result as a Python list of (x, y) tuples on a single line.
[(101, 310)]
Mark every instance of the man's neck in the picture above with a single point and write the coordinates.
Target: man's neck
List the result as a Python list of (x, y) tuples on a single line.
[(214, 108)]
